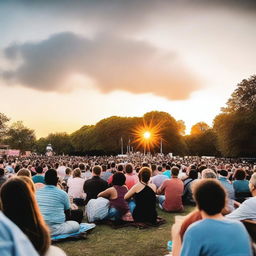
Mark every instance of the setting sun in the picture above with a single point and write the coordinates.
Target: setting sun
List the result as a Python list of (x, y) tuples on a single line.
[(147, 135)]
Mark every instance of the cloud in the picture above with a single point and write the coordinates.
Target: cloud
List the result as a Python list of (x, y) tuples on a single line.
[(112, 62)]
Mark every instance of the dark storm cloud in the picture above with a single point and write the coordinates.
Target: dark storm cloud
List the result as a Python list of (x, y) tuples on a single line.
[(114, 63)]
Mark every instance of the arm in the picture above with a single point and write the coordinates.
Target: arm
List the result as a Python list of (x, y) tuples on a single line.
[(130, 193), (160, 190), (106, 193)]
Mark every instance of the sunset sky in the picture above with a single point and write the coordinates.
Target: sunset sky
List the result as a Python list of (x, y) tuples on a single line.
[(64, 64)]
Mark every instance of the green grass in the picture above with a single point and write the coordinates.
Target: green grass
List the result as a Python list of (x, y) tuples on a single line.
[(127, 241)]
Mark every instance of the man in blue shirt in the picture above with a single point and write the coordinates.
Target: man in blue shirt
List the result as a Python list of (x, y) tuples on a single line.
[(214, 235), (53, 202), (38, 178)]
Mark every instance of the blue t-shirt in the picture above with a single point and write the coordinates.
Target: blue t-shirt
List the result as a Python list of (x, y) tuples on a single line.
[(38, 179), (52, 202), (216, 238), (168, 173), (241, 186)]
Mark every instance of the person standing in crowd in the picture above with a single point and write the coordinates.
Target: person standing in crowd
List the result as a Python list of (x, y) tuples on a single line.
[(172, 188), (52, 203), (95, 185), (226, 237)]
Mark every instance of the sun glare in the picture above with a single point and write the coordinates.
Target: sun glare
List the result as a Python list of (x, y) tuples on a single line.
[(147, 135)]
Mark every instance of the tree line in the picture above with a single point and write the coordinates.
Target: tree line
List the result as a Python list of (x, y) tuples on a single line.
[(233, 133)]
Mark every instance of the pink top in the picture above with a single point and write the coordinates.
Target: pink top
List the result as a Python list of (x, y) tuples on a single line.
[(131, 180), (75, 187)]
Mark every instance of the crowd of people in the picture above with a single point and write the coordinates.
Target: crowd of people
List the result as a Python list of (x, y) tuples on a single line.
[(43, 196)]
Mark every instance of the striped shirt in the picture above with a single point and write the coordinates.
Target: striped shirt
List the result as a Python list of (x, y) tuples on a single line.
[(52, 202)]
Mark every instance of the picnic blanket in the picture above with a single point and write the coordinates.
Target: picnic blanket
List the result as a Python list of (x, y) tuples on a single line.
[(84, 227)]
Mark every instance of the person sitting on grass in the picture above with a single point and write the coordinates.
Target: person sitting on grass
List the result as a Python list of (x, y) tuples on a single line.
[(53, 202), (144, 195), (20, 206), (115, 194), (131, 178), (214, 235), (172, 188), (39, 177)]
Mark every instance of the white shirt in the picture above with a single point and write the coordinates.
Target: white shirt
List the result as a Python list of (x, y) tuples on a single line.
[(75, 187)]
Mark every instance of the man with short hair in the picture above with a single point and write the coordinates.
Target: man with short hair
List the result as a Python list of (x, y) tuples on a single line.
[(95, 185), (39, 177), (247, 210), (172, 188), (159, 178), (214, 235), (53, 202)]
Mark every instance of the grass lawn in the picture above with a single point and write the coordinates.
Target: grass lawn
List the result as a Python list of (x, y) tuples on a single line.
[(127, 241)]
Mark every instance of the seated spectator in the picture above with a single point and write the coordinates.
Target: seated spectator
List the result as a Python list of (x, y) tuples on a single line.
[(167, 171), (187, 196), (24, 172), (115, 194), (105, 174), (247, 210), (86, 171), (39, 177), (131, 178), (61, 170), (144, 196), (159, 178), (120, 169), (68, 175), (226, 237), (241, 185), (52, 203), (75, 187), (172, 188), (95, 185), (223, 178), (3, 178), (20, 206), (16, 243)]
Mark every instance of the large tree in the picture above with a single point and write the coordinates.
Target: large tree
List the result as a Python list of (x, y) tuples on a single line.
[(199, 128), (20, 137), (243, 98), (3, 125)]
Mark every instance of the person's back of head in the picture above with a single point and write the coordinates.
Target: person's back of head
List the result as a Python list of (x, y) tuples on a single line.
[(240, 174), (175, 171), (208, 174), (96, 170), (223, 173), (77, 173), (24, 172), (153, 167), (129, 168), (193, 174), (120, 168), (51, 177), (39, 169), (2, 172), (81, 167), (210, 196), (118, 179), (168, 167), (68, 171), (113, 165), (20, 206), (160, 168), (145, 174)]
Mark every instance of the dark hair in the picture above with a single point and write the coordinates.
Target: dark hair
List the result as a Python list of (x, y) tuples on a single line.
[(193, 174), (153, 167), (240, 174), (168, 167), (17, 168), (20, 206), (1, 172), (175, 171), (51, 177), (81, 166), (113, 165), (144, 174), (39, 169), (120, 167), (128, 168), (97, 170), (159, 168), (210, 196), (68, 171), (77, 173), (118, 179)]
